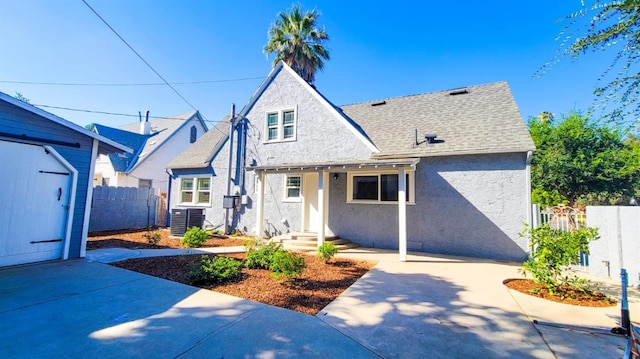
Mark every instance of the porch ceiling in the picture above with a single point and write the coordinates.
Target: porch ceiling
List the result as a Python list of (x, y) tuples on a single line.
[(338, 166)]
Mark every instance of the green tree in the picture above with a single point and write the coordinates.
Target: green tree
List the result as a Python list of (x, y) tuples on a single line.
[(579, 161), (296, 39), (614, 27)]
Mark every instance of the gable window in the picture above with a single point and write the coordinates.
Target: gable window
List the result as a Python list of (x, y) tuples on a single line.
[(281, 126), (292, 188), (195, 191), (378, 187), (145, 183), (194, 134)]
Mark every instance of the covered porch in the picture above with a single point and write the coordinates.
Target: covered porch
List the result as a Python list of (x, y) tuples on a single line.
[(316, 187)]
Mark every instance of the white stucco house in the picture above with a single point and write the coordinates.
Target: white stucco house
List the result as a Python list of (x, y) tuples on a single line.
[(443, 172), (154, 142)]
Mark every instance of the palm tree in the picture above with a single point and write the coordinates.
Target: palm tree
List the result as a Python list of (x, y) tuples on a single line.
[(296, 40)]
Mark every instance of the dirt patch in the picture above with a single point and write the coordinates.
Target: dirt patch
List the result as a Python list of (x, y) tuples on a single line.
[(566, 295), (318, 285), (139, 239)]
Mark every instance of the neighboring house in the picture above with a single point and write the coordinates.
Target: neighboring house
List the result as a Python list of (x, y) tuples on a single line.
[(154, 142), (45, 197), (443, 172)]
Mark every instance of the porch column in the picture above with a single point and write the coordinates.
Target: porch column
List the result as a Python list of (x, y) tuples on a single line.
[(260, 206), (323, 181), (402, 214)]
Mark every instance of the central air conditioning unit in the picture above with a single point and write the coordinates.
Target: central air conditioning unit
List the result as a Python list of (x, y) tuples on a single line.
[(184, 218)]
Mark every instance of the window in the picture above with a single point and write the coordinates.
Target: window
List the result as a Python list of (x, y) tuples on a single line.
[(378, 187), (293, 188), (195, 191), (281, 126), (194, 134), (144, 183)]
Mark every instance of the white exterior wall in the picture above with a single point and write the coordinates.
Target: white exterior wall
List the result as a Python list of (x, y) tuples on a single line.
[(154, 167), (618, 230)]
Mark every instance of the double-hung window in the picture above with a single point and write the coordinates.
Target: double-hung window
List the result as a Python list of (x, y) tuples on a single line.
[(281, 125), (378, 187), (292, 188), (195, 191)]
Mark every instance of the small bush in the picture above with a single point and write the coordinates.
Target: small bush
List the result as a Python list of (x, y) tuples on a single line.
[(326, 251), (553, 251), (194, 237), (152, 237), (261, 256), (286, 265), (214, 270)]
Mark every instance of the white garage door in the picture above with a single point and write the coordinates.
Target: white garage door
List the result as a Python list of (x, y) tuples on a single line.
[(34, 204)]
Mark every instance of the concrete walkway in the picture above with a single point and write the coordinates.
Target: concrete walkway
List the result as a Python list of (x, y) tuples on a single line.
[(428, 307)]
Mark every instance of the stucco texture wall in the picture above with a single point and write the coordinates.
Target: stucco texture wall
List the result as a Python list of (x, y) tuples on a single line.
[(465, 205), (618, 230), (320, 135)]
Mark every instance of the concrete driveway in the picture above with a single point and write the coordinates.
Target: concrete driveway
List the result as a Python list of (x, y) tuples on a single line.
[(429, 307)]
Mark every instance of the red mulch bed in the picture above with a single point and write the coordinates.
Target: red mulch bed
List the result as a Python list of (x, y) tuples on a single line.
[(137, 239), (567, 295), (316, 287)]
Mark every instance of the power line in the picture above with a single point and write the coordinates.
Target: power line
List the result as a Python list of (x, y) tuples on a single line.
[(127, 84), (127, 115), (139, 56), (113, 113)]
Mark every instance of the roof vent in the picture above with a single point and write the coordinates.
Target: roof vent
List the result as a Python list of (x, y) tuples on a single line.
[(458, 92), (429, 138), (379, 103)]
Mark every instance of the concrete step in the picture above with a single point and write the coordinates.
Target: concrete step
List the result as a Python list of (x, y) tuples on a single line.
[(309, 242)]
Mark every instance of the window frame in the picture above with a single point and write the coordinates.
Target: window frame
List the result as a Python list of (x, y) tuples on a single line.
[(195, 191), (193, 134), (142, 181), (280, 125), (410, 187), (286, 187)]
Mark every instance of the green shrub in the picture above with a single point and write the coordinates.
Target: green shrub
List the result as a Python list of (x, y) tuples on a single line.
[(553, 250), (152, 237), (286, 265), (261, 256), (194, 237), (214, 270), (326, 251)]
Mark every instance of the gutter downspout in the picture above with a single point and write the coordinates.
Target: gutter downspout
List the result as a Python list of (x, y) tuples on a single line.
[(229, 188), (243, 154), (167, 216), (528, 189)]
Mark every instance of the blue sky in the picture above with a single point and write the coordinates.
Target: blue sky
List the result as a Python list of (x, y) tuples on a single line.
[(378, 50)]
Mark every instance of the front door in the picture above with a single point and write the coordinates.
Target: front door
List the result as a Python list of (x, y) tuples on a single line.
[(310, 202)]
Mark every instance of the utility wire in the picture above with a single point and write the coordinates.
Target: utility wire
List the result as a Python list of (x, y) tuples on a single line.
[(115, 113), (141, 58), (127, 84), (215, 123)]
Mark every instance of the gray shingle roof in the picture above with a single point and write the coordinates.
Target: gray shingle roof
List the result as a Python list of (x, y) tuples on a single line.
[(161, 130), (200, 154), (484, 119)]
